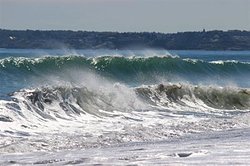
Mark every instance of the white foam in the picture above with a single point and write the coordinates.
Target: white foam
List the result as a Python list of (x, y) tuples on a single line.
[(119, 115)]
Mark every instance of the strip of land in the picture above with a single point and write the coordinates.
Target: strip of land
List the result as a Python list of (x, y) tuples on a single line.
[(210, 40)]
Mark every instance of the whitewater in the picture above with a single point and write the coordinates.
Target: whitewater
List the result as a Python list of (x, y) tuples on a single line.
[(124, 107)]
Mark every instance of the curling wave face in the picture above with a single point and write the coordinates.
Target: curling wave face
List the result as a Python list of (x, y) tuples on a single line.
[(124, 65), (215, 97)]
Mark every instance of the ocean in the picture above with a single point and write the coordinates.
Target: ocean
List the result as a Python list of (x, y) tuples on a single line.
[(124, 107)]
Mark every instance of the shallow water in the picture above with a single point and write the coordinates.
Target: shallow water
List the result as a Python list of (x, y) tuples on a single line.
[(216, 148)]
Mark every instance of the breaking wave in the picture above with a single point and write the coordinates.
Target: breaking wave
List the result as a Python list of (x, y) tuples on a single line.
[(102, 100), (215, 97), (62, 102), (118, 66)]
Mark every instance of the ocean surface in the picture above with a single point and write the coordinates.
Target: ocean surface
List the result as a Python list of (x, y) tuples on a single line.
[(124, 107)]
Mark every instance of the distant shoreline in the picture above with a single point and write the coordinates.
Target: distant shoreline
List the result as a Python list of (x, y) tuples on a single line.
[(233, 40)]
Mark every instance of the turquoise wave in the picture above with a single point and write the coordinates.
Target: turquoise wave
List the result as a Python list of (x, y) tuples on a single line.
[(122, 65)]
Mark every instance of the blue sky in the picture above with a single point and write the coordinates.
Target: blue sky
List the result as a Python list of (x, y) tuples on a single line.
[(125, 15)]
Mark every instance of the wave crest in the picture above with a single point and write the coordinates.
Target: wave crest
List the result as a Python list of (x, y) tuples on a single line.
[(215, 97), (123, 65)]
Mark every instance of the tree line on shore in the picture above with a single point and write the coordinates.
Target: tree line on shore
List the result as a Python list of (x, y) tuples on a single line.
[(210, 40)]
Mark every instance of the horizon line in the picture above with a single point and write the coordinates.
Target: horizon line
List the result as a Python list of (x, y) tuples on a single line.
[(203, 30)]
